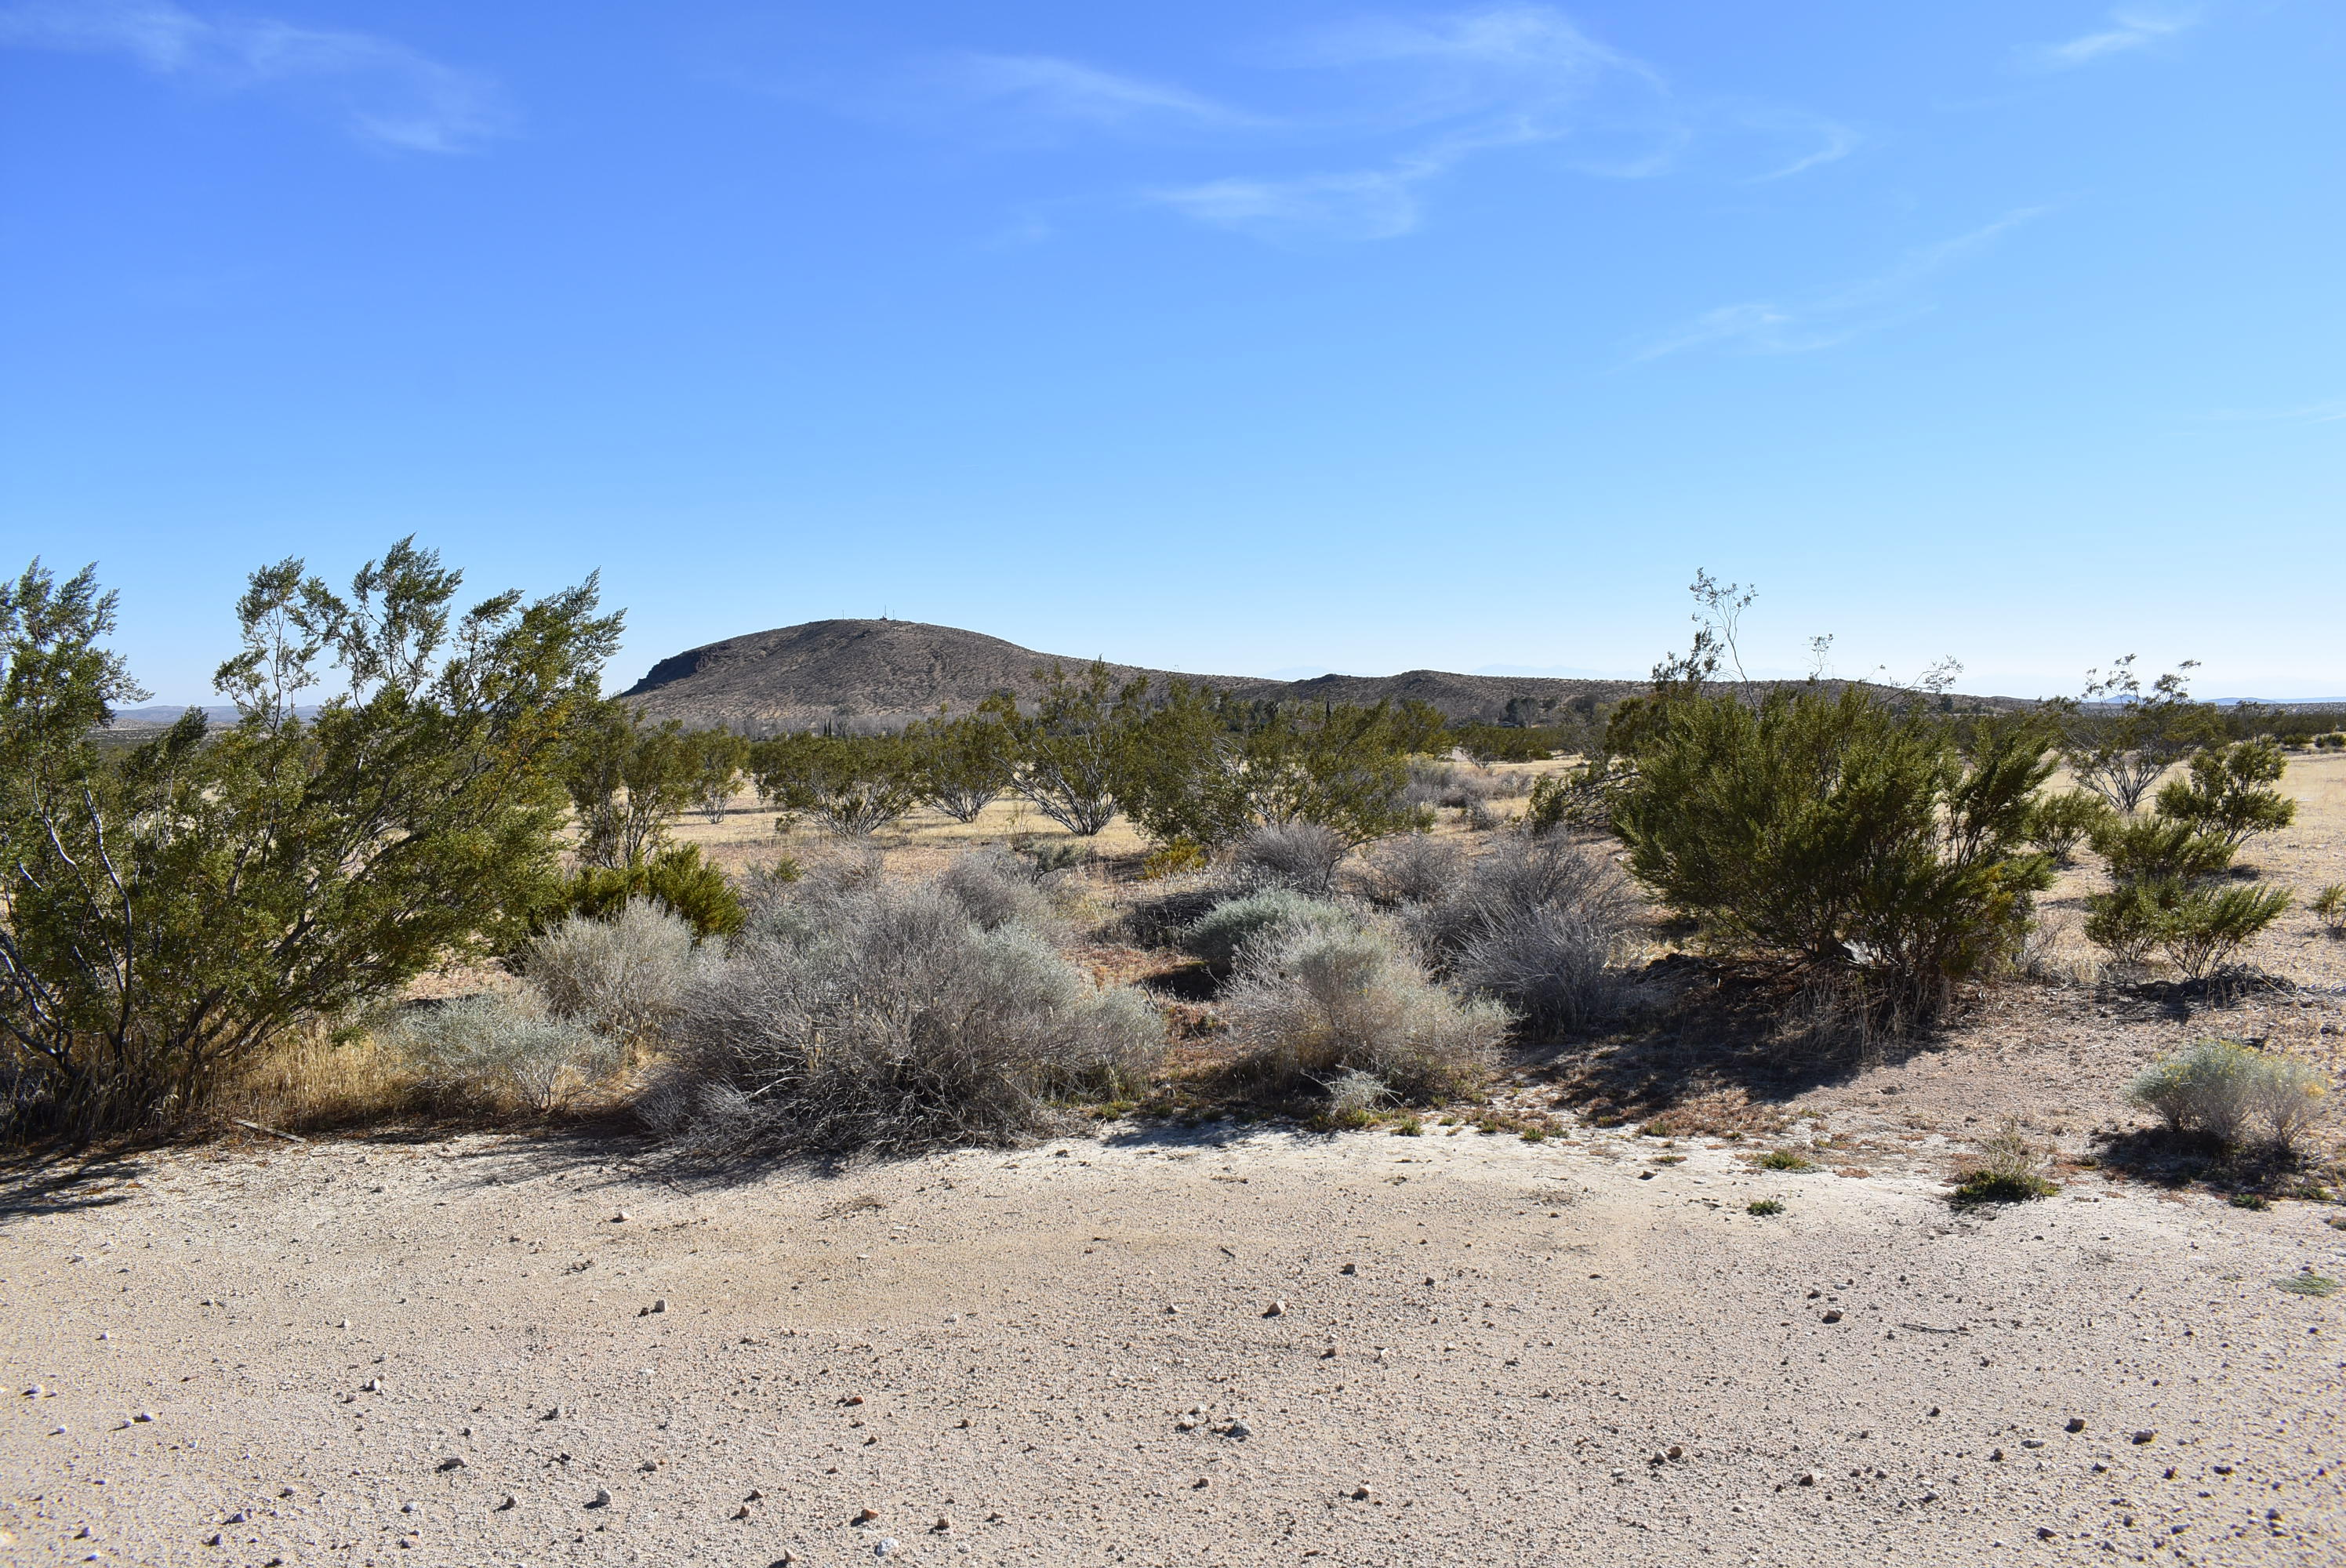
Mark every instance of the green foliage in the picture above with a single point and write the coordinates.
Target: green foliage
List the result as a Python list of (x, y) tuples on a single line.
[(849, 784), (169, 917), (627, 781), (1826, 831), (2230, 795), (2060, 822), (676, 878), (2159, 849), (961, 765), (1786, 1160), (2120, 745), (718, 760), (1763, 1206), (2329, 906), (2168, 869), (1212, 772), (1070, 755), (2011, 1169)]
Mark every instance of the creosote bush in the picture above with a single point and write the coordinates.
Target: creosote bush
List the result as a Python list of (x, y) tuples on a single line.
[(2225, 1092), (881, 1018), (1313, 1001), (2061, 822)]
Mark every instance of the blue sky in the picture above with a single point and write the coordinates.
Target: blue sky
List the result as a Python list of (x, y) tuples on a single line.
[(1235, 337)]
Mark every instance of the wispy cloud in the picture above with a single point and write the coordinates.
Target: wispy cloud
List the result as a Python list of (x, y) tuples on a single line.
[(385, 92), (1068, 91), (1394, 106), (2128, 30), (1834, 316)]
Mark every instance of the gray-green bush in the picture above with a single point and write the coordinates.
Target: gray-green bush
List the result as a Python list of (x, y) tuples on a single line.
[(624, 977), (2227, 1091), (883, 1019), (1314, 1001), (1539, 924), (498, 1047), (1219, 935)]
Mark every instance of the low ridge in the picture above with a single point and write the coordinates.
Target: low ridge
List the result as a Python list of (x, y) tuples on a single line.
[(883, 674)]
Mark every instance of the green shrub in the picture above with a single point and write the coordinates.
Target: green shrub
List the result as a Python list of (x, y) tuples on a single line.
[(2011, 1169), (1763, 1206), (2159, 849), (2058, 823), (853, 785), (960, 765), (1786, 1160), (171, 913), (2330, 907), (2206, 927), (676, 878), (1220, 934), (623, 977), (2229, 794), (1830, 831), (2222, 1089)]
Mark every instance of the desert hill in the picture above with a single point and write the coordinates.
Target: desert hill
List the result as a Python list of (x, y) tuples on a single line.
[(880, 675)]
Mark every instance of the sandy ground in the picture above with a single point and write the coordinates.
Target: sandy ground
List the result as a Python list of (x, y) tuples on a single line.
[(1461, 1348)]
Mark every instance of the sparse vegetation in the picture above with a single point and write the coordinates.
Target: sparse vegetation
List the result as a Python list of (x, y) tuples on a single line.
[(1763, 1206), (2010, 1169), (494, 1049)]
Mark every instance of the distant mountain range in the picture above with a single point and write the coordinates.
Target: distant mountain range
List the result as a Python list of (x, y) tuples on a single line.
[(882, 675)]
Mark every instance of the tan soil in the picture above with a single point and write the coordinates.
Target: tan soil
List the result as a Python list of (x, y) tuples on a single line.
[(1530, 1332)]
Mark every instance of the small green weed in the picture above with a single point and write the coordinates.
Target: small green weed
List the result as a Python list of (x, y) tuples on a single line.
[(1786, 1160), (2307, 1284), (1764, 1206), (2000, 1186), (2250, 1200)]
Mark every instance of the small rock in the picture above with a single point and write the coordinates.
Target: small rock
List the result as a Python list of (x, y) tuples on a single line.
[(213, 1539), (601, 1499), (2044, 1533), (620, 1217), (1350, 1268), (2031, 1443), (1238, 1430), (853, 1400), (661, 1305), (1362, 1494), (2145, 1435), (35, 1391), (452, 1462), (742, 1512), (372, 1386), (509, 1501), (941, 1526), (2076, 1424), (866, 1516), (554, 1413), (144, 1416), (1833, 1315), (239, 1517), (1808, 1478), (1995, 1456), (1198, 1484), (885, 1547), (1328, 1354), (755, 1496), (1276, 1309), (1184, 1423), (1677, 1452)]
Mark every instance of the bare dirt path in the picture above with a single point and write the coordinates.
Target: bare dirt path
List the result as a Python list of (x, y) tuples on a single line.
[(1483, 1351)]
